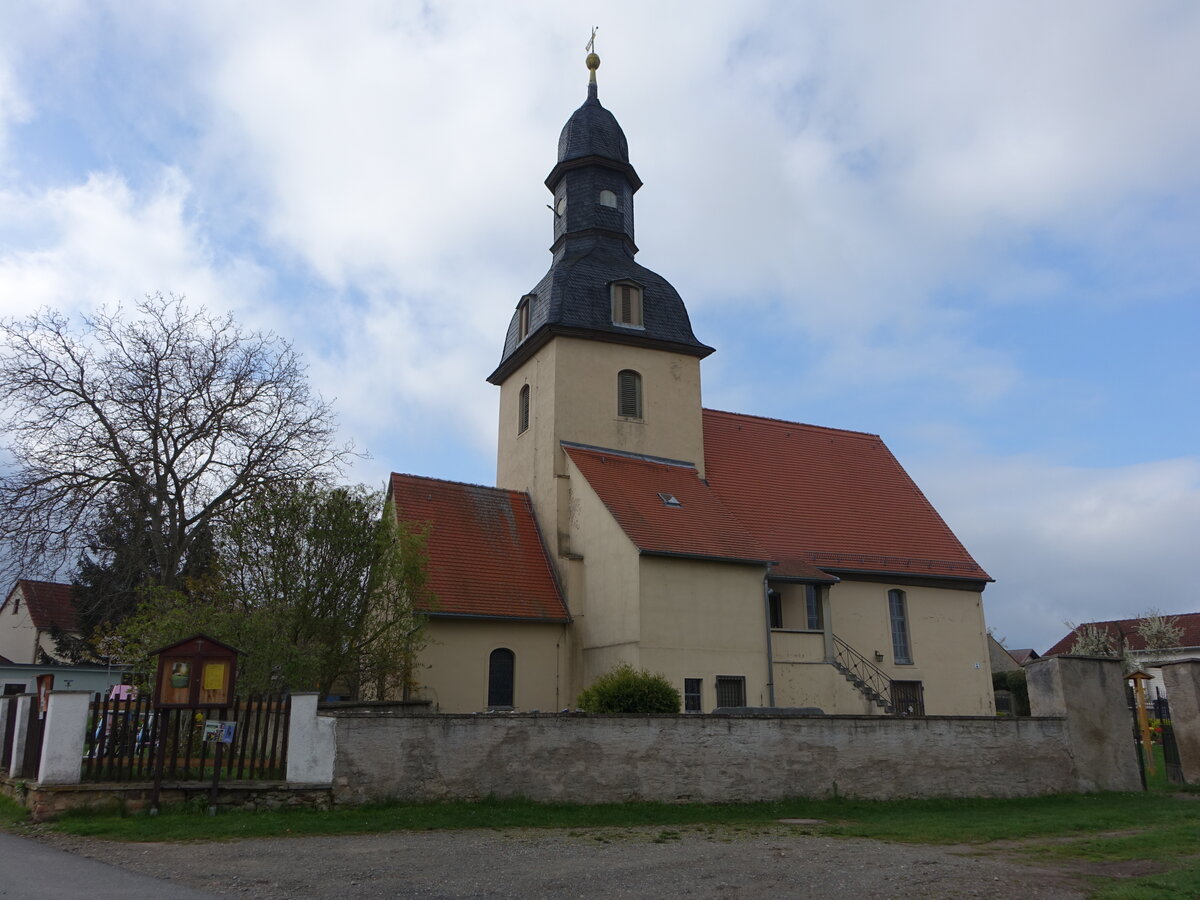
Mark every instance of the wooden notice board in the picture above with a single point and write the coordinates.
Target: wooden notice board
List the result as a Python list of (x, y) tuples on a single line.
[(198, 671)]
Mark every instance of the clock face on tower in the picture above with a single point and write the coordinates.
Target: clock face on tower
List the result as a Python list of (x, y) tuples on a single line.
[(562, 207)]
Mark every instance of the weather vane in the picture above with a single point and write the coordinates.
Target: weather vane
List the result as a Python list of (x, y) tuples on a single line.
[(591, 45)]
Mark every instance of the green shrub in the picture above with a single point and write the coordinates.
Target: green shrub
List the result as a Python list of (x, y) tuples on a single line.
[(629, 690), (1020, 692)]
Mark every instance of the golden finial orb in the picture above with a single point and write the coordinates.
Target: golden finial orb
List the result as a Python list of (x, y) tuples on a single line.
[(593, 61)]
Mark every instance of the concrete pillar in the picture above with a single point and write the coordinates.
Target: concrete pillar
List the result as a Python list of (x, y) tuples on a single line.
[(63, 737), (1182, 680), (311, 742), (16, 768), (4, 702), (1089, 692)]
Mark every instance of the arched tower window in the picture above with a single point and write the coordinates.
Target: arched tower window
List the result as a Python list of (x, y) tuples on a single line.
[(629, 394), (627, 304), (502, 667), (523, 409), (608, 198)]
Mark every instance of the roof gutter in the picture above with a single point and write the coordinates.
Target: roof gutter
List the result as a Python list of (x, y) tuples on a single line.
[(676, 554)]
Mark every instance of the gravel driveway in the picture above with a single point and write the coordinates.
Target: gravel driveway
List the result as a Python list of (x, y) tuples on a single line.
[(691, 861)]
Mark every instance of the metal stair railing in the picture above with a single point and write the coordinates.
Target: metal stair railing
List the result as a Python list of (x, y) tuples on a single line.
[(870, 678)]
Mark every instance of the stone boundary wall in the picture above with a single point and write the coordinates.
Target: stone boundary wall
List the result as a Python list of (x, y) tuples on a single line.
[(702, 758), (46, 802)]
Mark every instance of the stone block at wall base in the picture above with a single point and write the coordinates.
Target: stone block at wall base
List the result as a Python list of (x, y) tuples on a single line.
[(46, 802)]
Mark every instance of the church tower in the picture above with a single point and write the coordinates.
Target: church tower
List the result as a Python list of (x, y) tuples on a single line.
[(601, 351)]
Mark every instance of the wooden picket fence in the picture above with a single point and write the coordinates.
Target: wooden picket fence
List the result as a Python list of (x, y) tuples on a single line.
[(124, 736)]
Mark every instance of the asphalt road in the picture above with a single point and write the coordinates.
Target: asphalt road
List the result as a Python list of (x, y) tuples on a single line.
[(32, 870)]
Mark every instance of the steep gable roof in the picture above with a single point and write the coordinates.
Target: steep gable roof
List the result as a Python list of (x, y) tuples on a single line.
[(1126, 630), (49, 603), (632, 488), (1024, 655), (827, 497), (486, 557)]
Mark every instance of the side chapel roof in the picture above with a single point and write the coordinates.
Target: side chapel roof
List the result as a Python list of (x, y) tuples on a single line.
[(486, 556)]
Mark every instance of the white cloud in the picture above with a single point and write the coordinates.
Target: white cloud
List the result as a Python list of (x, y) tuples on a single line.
[(101, 242), (1069, 543)]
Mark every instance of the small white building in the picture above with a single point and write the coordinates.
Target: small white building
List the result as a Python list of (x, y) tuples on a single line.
[(30, 613)]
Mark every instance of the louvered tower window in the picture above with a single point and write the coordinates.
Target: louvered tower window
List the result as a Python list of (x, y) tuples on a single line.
[(629, 394), (523, 409), (523, 311), (627, 305)]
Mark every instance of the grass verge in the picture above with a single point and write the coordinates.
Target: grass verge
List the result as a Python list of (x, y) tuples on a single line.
[(11, 812), (940, 821)]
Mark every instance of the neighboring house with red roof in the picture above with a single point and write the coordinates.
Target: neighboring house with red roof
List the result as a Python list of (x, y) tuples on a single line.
[(1124, 636), (30, 612), (753, 561)]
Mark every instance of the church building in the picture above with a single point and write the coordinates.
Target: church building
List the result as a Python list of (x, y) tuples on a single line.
[(752, 561)]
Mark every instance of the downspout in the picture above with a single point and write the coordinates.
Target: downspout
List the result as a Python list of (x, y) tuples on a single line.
[(770, 655)]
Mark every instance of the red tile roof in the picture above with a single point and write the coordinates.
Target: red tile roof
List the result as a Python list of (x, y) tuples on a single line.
[(1127, 629), (49, 603), (836, 499), (700, 526), (1023, 656), (486, 557)]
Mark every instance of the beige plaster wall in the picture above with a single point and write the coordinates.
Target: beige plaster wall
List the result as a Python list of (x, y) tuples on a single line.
[(603, 586), (947, 637), (453, 672), (19, 640), (573, 397), (819, 685), (702, 619)]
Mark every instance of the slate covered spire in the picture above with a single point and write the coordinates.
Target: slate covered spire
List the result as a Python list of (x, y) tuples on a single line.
[(593, 184)]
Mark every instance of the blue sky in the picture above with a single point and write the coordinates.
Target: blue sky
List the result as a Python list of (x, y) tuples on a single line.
[(970, 230)]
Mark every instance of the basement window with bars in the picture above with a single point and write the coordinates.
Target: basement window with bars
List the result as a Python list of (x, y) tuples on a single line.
[(731, 690), (627, 305), (629, 394)]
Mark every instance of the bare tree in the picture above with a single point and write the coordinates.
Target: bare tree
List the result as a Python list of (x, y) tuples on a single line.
[(181, 412)]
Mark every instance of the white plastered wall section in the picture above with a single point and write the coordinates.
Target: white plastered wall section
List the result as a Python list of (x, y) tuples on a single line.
[(19, 639)]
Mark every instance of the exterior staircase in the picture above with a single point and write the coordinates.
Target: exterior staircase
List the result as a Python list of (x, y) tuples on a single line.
[(868, 679)]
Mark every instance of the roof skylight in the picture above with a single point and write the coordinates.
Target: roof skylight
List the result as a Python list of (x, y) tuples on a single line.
[(670, 500)]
